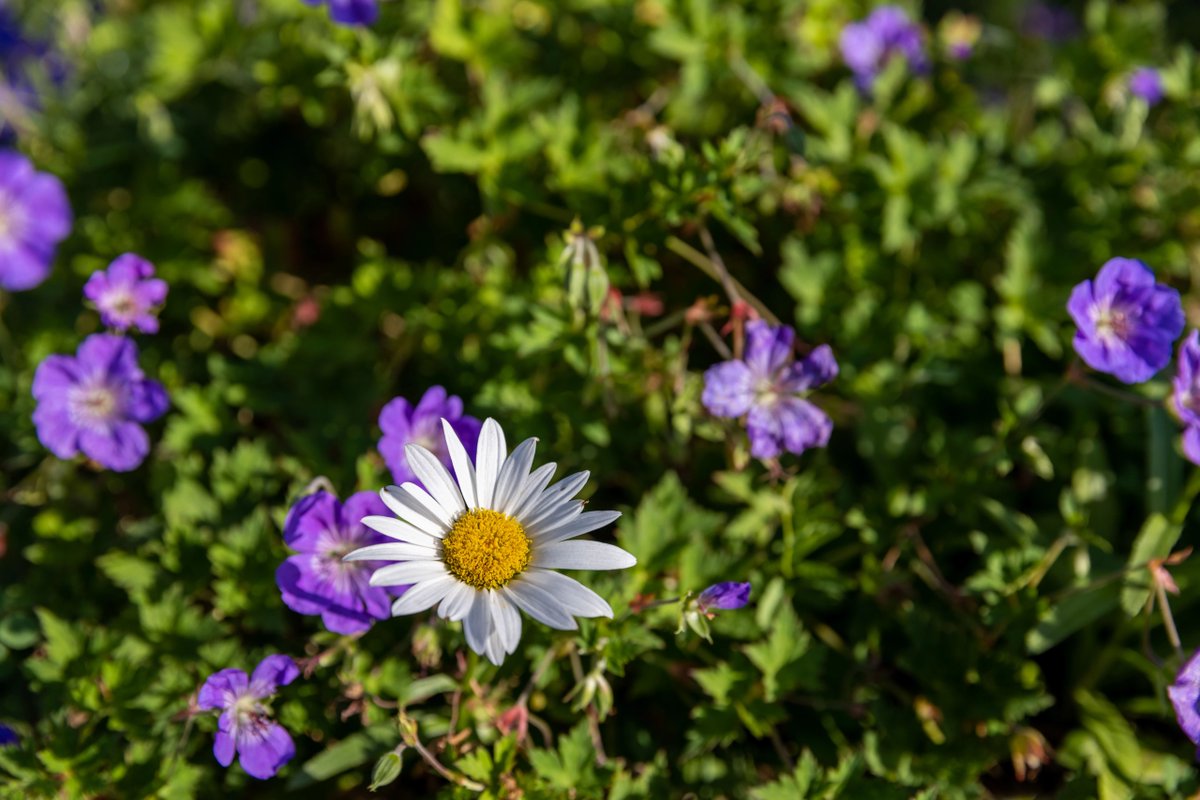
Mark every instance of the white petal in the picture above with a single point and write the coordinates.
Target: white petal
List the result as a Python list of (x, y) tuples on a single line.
[(437, 480), (494, 648), (506, 621), (411, 512), (407, 572), (464, 470), (431, 506), (478, 623), (582, 555), (565, 489), (392, 551), (552, 516), (574, 597), (559, 518), (457, 602), (530, 489), (539, 604), (398, 529), (422, 596), (584, 523), (513, 474), (489, 458)]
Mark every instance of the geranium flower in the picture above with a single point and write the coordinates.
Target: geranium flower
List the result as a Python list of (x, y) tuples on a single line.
[(96, 402), (246, 727), (126, 294), (1127, 322), (768, 387), (317, 580), (34, 217)]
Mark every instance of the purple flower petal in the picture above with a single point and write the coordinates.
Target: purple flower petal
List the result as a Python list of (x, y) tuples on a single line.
[(403, 424), (264, 750), (309, 519), (222, 688), (1185, 694), (1147, 83), (121, 448), (1191, 444), (726, 596), (224, 743), (271, 673), (728, 389), (768, 349)]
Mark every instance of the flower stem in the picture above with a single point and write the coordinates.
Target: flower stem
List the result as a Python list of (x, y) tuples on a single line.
[(408, 732), (1168, 618), (705, 265)]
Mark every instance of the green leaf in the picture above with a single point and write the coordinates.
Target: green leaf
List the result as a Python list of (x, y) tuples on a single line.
[(133, 574), (784, 658), (1155, 540), (63, 643), (353, 751), (1072, 613), (572, 766), (19, 631)]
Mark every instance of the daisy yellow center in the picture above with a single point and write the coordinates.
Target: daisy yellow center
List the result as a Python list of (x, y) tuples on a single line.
[(486, 549)]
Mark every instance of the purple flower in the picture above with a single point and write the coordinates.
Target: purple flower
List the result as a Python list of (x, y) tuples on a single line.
[(126, 293), (8, 737), (768, 386), (1147, 83), (1187, 394), (726, 596), (867, 46), (1185, 696), (350, 12), (96, 402), (402, 424), (245, 726), (1049, 22), (34, 217), (1127, 322), (317, 581)]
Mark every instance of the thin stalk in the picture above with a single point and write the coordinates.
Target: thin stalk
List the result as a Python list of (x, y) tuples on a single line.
[(705, 265), (1168, 618)]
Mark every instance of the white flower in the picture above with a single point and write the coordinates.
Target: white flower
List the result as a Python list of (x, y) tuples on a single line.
[(487, 544)]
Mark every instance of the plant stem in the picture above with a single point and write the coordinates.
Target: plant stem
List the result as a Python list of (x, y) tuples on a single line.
[(705, 265), (1168, 619)]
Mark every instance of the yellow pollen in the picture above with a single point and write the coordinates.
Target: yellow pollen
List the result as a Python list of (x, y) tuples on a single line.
[(486, 549)]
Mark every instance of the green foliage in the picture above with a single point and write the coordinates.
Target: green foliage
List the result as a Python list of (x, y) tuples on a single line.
[(953, 600)]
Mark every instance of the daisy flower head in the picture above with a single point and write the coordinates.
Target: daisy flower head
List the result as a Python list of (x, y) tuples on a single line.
[(482, 544)]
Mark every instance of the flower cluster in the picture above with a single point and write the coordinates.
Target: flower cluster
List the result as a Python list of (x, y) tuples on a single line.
[(768, 388), (97, 401), (869, 45)]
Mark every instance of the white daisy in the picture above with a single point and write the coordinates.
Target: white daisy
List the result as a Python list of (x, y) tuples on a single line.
[(487, 544)]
